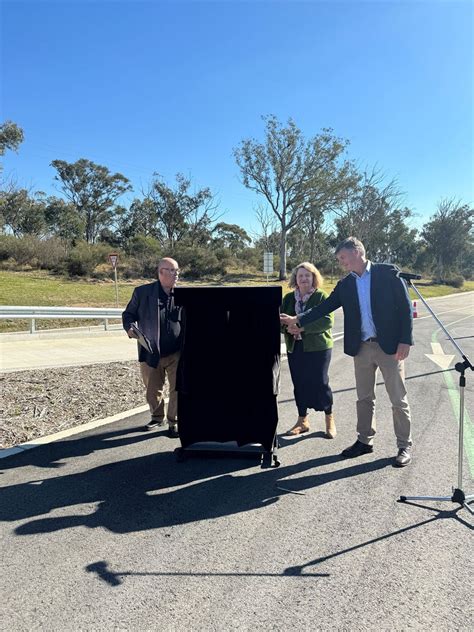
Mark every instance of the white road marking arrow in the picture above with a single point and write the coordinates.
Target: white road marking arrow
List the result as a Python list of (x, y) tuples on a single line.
[(439, 357)]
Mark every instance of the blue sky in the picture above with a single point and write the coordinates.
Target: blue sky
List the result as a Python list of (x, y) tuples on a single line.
[(175, 86)]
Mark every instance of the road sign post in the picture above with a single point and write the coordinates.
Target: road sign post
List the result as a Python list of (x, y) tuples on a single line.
[(113, 259)]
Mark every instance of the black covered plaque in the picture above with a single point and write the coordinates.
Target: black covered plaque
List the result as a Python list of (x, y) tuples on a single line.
[(228, 375)]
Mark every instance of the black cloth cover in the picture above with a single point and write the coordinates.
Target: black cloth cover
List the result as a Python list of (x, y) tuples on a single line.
[(229, 371)]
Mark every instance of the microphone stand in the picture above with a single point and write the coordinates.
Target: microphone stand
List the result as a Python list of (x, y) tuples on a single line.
[(458, 495)]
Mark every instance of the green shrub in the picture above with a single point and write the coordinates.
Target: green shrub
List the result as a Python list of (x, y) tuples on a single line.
[(52, 254), (7, 246), (197, 261), (21, 249), (142, 246), (103, 271), (9, 264), (144, 268), (35, 253), (132, 269), (84, 257), (457, 281), (250, 258), (143, 256)]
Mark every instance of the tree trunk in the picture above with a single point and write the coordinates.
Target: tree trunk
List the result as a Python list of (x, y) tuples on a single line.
[(282, 276), (440, 269), (311, 246)]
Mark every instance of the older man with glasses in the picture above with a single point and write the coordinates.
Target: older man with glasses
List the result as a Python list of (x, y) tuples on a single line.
[(152, 316)]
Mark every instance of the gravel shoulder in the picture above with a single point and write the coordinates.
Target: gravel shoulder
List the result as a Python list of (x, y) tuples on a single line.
[(41, 402)]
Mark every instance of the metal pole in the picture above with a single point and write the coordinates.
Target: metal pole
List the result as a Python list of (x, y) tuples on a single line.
[(116, 288), (461, 427)]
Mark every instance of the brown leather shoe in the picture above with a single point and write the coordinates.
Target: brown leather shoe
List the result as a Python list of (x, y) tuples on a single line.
[(331, 431), (403, 457), (301, 426)]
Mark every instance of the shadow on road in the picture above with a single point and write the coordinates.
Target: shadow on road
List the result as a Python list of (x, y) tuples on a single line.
[(50, 454), (113, 578), (103, 572), (153, 491), (440, 515)]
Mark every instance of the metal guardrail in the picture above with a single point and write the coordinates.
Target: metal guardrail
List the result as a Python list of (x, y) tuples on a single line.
[(37, 313)]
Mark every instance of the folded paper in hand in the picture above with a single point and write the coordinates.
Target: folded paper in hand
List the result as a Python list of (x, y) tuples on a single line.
[(142, 339)]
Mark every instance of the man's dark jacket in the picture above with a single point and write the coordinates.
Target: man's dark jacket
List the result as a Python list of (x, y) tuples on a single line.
[(391, 309), (144, 311)]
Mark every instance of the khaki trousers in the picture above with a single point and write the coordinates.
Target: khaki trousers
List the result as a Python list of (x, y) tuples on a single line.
[(366, 364), (154, 381)]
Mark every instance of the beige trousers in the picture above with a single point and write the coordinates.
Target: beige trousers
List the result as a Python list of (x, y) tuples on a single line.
[(154, 381), (366, 364)]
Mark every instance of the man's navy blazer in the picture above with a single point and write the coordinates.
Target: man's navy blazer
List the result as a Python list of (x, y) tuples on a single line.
[(143, 309), (390, 303)]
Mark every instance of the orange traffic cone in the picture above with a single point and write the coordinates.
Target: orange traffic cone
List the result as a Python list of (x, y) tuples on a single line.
[(415, 313)]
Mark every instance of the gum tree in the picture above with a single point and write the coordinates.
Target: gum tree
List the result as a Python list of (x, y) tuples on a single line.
[(296, 177), (93, 190)]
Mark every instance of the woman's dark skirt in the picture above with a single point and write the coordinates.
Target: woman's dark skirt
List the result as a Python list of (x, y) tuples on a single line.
[(309, 374)]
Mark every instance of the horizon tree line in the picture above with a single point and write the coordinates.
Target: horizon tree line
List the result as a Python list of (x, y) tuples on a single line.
[(313, 196)]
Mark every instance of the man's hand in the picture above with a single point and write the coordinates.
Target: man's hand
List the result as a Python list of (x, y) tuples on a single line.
[(132, 334), (294, 329), (402, 351), (287, 320)]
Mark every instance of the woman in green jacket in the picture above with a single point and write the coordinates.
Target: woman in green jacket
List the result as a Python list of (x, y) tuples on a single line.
[(309, 350)]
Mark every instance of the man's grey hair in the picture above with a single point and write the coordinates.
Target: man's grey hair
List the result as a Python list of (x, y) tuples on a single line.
[(351, 243)]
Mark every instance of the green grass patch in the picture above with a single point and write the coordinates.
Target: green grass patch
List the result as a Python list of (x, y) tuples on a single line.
[(40, 288)]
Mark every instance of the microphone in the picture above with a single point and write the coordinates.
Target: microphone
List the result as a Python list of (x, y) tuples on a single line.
[(408, 276)]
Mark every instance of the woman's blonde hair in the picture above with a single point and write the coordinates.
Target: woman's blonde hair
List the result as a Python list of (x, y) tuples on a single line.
[(317, 277)]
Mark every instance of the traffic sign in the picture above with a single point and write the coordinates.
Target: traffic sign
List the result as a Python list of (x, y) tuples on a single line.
[(113, 258)]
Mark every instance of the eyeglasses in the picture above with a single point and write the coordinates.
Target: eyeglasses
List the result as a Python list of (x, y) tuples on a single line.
[(170, 270)]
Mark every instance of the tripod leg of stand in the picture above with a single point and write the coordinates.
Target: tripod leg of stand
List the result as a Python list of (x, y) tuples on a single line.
[(464, 500), (404, 498), (458, 495)]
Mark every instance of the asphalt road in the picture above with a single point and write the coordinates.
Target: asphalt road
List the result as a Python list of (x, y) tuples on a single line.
[(105, 531)]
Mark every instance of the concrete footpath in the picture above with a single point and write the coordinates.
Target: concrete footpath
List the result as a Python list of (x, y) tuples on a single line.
[(22, 352), (56, 348)]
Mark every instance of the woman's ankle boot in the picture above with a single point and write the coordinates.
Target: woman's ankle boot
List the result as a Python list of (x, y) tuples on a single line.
[(330, 426), (301, 426)]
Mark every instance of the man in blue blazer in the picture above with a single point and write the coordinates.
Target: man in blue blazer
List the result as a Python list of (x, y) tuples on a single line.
[(378, 333), (153, 311)]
